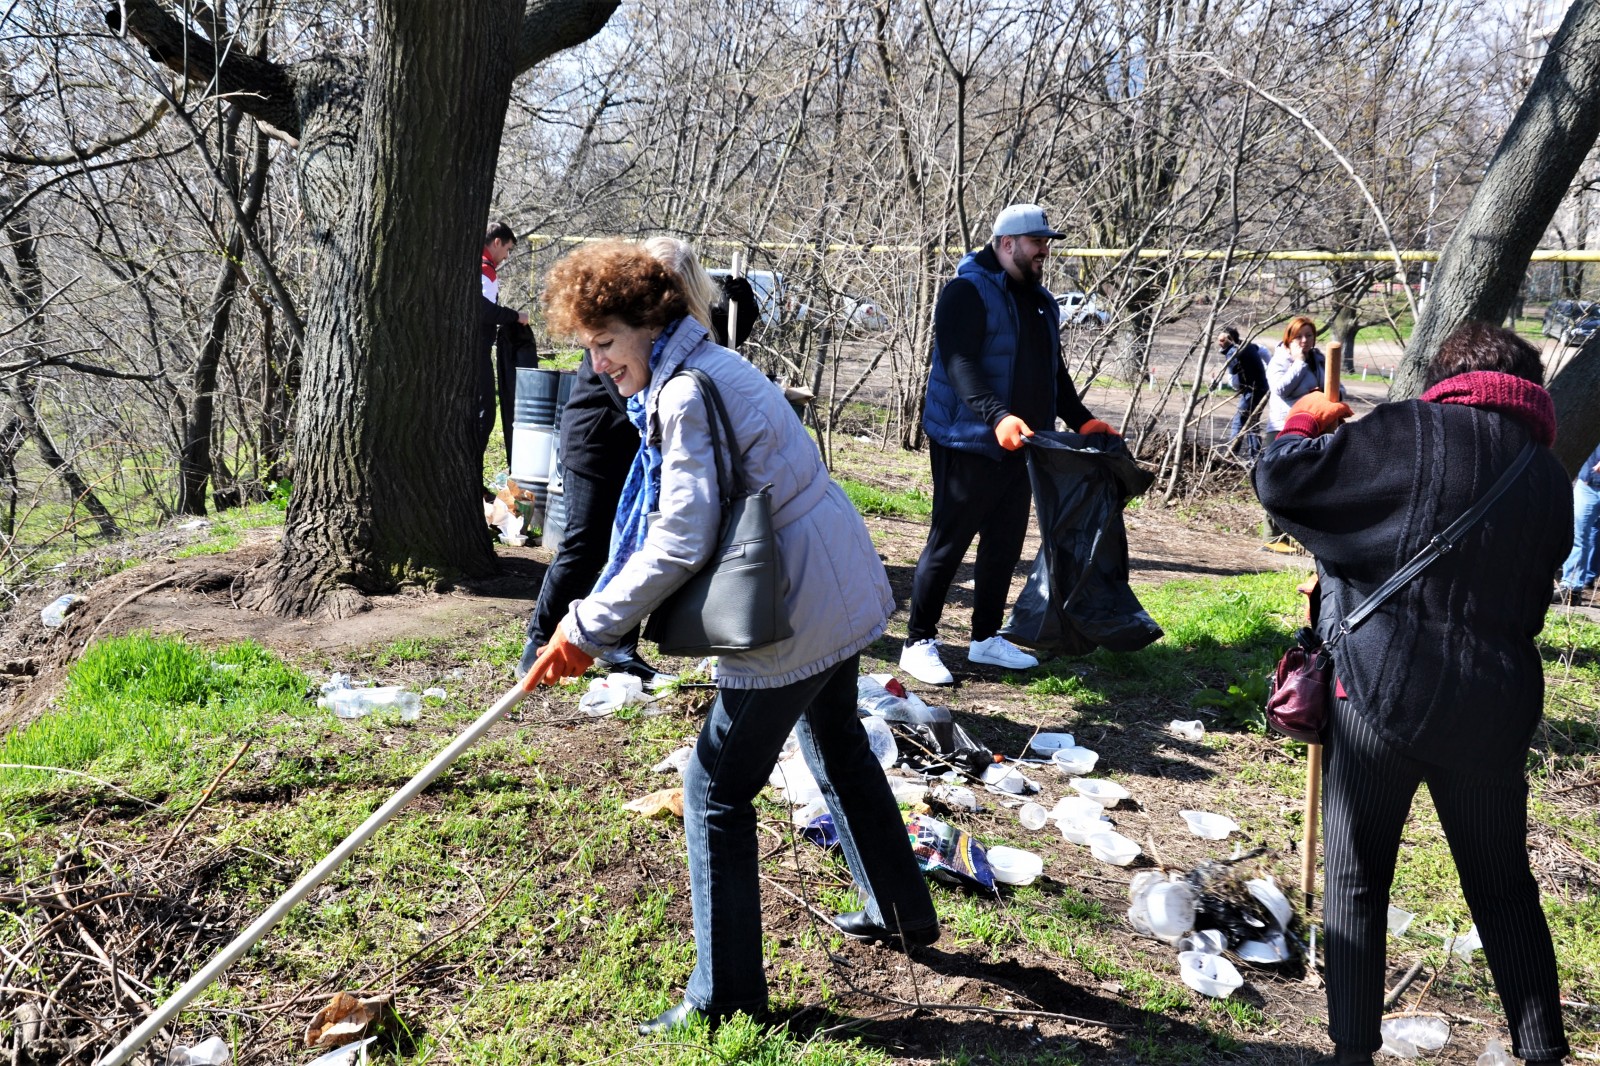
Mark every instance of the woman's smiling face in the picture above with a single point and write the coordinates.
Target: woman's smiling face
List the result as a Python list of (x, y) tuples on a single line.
[(621, 352)]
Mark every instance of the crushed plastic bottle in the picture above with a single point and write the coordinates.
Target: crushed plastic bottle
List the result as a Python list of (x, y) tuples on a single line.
[(360, 702), (613, 692), (1407, 1038), (434, 694), (880, 738), (956, 797), (55, 612), (1494, 1054), (209, 1052)]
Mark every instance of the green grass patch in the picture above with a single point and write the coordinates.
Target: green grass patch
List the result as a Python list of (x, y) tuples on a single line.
[(871, 500), (153, 712)]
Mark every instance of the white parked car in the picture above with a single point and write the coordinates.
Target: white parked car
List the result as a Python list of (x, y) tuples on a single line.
[(1079, 309)]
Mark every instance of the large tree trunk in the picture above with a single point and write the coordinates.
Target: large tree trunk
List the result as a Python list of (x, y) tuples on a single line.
[(396, 166), (386, 489), (1482, 266)]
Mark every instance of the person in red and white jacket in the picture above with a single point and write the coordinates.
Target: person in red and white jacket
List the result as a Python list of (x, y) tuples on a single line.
[(497, 244)]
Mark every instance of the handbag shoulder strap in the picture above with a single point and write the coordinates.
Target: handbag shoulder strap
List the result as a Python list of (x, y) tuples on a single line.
[(717, 416), (1436, 547)]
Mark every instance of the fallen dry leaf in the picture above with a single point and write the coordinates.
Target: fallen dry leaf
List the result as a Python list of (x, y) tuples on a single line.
[(666, 801), (344, 1018)]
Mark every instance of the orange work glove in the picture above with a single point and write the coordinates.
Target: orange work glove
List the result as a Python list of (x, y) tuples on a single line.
[(1094, 425), (558, 659), (1327, 413), (1010, 432)]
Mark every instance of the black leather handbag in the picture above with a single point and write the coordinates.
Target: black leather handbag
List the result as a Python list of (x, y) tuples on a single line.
[(1301, 688), (735, 601)]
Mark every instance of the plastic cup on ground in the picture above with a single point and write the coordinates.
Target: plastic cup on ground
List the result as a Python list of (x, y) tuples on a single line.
[(1399, 920), (1209, 975), (1194, 730), (1113, 848), (1013, 865), (1033, 816), (1047, 744)]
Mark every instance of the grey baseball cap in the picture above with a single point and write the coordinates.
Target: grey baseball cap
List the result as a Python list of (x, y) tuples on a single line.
[(1024, 220)]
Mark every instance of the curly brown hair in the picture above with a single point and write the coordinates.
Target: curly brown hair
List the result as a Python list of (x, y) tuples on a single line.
[(1478, 345), (610, 279)]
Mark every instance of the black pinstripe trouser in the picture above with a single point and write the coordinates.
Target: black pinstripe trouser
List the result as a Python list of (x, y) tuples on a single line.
[(1367, 791)]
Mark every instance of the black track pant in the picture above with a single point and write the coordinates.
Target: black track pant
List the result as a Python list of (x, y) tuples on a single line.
[(973, 496), (585, 546), (1368, 788)]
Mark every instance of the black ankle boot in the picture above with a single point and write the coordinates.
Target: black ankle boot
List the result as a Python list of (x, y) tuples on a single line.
[(1341, 1057)]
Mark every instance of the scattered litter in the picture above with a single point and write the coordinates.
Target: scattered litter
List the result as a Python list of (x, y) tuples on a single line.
[(677, 762), (434, 694), (55, 612), (949, 854), (708, 667), (1033, 815), (1014, 866), (803, 815), (656, 804), (910, 793), (1494, 1054), (820, 830), (955, 797), (347, 699), (1000, 777), (189, 527), (346, 1018), (1193, 730), (794, 779), (1268, 952), (459, 673), (1106, 793), (882, 696), (1113, 848), (209, 1052), (1079, 808), (1078, 830), (1266, 890), (1074, 760), (1399, 920), (1047, 744), (880, 738), (349, 1055), (1210, 975), (1209, 826), (1205, 941), (612, 693), (1408, 1037), (1465, 945)]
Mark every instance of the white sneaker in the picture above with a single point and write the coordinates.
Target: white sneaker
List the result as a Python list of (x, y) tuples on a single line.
[(921, 660), (998, 651)]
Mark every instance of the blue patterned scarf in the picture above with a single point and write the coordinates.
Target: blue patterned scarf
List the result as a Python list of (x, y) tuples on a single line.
[(641, 493)]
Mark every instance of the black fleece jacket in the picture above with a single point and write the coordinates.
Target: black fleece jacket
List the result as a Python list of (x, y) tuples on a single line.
[(1447, 669)]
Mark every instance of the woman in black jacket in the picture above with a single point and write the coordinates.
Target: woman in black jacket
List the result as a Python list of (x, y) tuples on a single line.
[(1443, 684), (598, 444)]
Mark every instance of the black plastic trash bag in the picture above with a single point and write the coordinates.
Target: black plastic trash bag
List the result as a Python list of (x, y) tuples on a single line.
[(1077, 599)]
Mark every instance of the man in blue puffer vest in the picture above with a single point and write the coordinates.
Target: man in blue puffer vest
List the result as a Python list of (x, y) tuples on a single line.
[(997, 371)]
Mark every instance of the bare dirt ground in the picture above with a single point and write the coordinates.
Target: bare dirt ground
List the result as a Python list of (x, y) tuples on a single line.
[(1020, 1003)]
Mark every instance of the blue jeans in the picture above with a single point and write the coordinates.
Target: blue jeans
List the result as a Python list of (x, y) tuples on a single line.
[(1583, 565), (1243, 416), (736, 751)]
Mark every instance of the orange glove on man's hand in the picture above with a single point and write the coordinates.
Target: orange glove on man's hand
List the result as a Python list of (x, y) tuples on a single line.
[(1010, 432), (1327, 413), (1094, 425), (558, 659)]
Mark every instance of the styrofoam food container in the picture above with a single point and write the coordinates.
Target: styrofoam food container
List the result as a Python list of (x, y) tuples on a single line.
[(1106, 793), (1074, 760), (1080, 807), (1210, 975), (1013, 865), (1113, 848), (1208, 826), (1268, 951), (1079, 830), (1047, 744), (1171, 907)]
